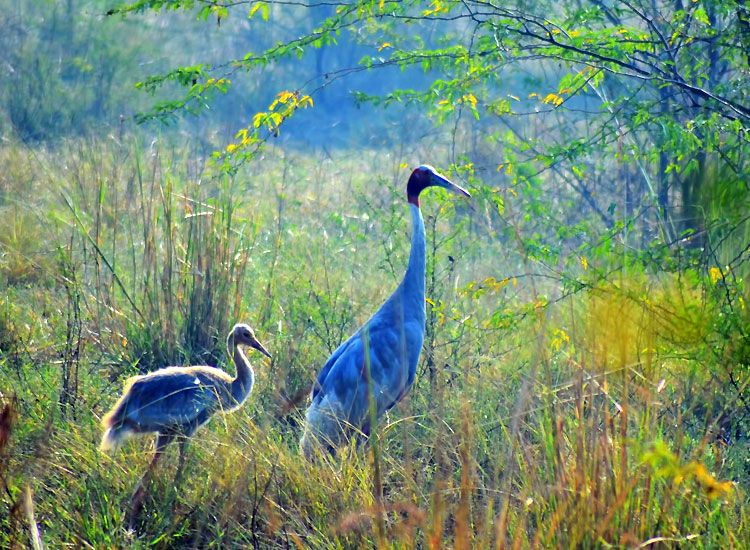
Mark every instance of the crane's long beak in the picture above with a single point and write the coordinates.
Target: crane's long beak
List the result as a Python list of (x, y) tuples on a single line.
[(257, 345), (445, 183)]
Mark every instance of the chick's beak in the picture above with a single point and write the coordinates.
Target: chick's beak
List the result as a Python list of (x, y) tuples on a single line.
[(257, 345), (445, 183)]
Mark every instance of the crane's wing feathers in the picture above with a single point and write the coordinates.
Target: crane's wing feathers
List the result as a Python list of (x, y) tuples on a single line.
[(343, 377), (318, 384), (173, 398), (342, 349)]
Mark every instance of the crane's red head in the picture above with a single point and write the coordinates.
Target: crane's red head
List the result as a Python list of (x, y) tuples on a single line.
[(426, 176)]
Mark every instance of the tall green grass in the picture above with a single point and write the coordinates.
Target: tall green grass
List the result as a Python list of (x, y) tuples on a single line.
[(595, 419)]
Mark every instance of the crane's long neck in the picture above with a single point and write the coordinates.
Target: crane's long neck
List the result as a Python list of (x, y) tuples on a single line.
[(245, 378), (413, 283)]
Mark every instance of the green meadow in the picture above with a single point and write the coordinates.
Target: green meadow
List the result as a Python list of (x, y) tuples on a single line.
[(585, 374)]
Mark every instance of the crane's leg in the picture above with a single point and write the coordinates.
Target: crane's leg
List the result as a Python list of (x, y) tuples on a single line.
[(181, 463), (363, 435), (136, 501)]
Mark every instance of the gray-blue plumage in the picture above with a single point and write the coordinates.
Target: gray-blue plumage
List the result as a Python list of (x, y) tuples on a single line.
[(392, 338)]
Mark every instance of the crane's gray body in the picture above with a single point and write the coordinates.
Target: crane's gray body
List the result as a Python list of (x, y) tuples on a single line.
[(175, 401), (391, 340)]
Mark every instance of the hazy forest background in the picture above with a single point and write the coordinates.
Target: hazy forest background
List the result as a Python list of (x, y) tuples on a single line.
[(171, 167)]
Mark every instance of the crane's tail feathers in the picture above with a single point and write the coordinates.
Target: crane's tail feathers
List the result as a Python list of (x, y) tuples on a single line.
[(113, 437), (115, 430)]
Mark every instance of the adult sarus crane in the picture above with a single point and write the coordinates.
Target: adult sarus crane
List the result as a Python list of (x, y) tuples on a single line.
[(380, 359), (175, 401)]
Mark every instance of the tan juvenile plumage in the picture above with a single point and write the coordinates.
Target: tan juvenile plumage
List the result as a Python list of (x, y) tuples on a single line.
[(174, 401), (110, 439)]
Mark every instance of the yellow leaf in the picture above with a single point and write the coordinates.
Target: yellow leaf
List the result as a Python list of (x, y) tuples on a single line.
[(384, 45), (231, 148), (285, 96), (715, 274), (437, 8), (275, 120), (515, 282), (470, 99), (555, 99), (403, 165), (584, 263), (560, 338), (254, 9)]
